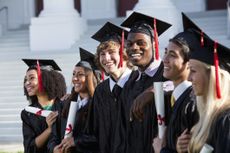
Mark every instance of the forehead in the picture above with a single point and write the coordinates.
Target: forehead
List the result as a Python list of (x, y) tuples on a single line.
[(173, 47), (79, 69), (31, 72), (138, 36)]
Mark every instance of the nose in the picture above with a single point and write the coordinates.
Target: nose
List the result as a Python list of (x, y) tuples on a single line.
[(190, 77), (165, 59), (107, 56)]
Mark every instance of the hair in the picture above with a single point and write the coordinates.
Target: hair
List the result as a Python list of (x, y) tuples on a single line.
[(91, 84), (209, 108), (53, 84), (184, 48), (110, 44)]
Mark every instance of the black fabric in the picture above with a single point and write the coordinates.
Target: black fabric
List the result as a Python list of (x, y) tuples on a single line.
[(106, 113), (84, 140), (219, 136), (47, 64), (139, 135), (184, 116), (116, 90), (33, 126)]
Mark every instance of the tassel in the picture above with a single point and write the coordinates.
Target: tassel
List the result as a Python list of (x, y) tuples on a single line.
[(121, 49), (202, 39), (40, 87), (216, 63), (102, 75), (156, 40)]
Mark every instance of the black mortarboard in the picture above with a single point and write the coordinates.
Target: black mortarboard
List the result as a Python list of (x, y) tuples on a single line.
[(214, 54), (44, 63), (206, 53), (109, 32), (87, 60), (138, 22)]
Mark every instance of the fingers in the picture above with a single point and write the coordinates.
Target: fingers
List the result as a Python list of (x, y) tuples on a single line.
[(183, 141), (51, 118), (67, 143)]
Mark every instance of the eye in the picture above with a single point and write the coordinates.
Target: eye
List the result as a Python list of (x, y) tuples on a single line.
[(141, 43)]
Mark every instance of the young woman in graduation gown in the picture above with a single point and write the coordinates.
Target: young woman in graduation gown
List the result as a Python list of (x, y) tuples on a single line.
[(211, 84), (84, 81), (37, 129)]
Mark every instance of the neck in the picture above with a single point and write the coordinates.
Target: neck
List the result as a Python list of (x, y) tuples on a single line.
[(43, 100), (83, 95), (119, 73)]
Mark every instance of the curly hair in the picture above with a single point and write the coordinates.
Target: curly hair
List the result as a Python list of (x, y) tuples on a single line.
[(91, 84), (110, 44), (53, 84)]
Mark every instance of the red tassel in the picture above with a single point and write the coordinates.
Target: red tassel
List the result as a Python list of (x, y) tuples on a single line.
[(40, 87), (102, 75), (202, 39), (216, 63), (156, 40), (121, 49)]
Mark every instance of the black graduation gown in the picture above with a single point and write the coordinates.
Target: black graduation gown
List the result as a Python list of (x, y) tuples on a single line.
[(106, 114), (139, 135), (184, 115), (219, 136), (84, 143), (33, 125)]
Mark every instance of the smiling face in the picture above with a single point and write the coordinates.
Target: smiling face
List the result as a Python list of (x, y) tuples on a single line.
[(31, 82), (79, 79), (175, 68), (139, 49), (199, 76)]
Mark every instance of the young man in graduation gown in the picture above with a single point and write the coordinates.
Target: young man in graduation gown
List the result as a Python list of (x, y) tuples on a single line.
[(184, 114), (140, 49), (112, 59)]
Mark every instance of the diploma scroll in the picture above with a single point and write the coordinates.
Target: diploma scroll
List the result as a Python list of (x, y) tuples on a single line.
[(160, 107), (71, 119), (206, 149), (37, 111)]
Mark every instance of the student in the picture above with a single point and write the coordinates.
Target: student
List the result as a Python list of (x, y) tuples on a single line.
[(42, 91), (84, 83), (141, 43), (184, 114), (211, 85), (107, 106)]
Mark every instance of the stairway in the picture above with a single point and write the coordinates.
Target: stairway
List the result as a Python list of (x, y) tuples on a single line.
[(14, 46)]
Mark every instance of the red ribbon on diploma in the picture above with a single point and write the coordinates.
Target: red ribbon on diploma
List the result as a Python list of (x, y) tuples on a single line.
[(39, 112), (69, 129), (160, 119)]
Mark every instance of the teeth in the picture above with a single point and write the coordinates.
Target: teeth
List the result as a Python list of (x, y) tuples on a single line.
[(135, 55), (166, 68)]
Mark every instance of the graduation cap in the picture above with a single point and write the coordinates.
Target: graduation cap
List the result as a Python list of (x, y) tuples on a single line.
[(188, 24), (41, 64), (44, 64), (212, 53), (140, 23), (112, 32), (87, 60)]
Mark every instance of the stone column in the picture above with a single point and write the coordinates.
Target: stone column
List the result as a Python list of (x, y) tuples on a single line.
[(164, 10), (58, 26)]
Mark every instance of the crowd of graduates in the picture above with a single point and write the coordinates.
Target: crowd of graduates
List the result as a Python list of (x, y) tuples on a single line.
[(115, 97)]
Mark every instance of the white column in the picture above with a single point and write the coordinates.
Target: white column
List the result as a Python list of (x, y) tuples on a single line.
[(190, 5), (96, 9), (164, 10), (58, 7), (228, 19), (58, 26)]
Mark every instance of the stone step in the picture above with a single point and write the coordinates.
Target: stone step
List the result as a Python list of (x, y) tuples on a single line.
[(10, 111), (10, 138)]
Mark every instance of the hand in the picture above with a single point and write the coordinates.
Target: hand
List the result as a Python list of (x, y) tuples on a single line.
[(183, 141), (141, 101), (51, 118), (157, 144), (65, 97), (66, 144), (57, 149)]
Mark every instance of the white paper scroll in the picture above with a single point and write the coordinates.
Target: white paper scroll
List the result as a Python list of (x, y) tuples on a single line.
[(159, 102), (206, 149), (37, 111), (71, 119)]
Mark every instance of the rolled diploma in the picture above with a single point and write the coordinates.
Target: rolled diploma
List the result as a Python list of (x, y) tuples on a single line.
[(159, 102), (206, 149), (37, 111), (71, 119)]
